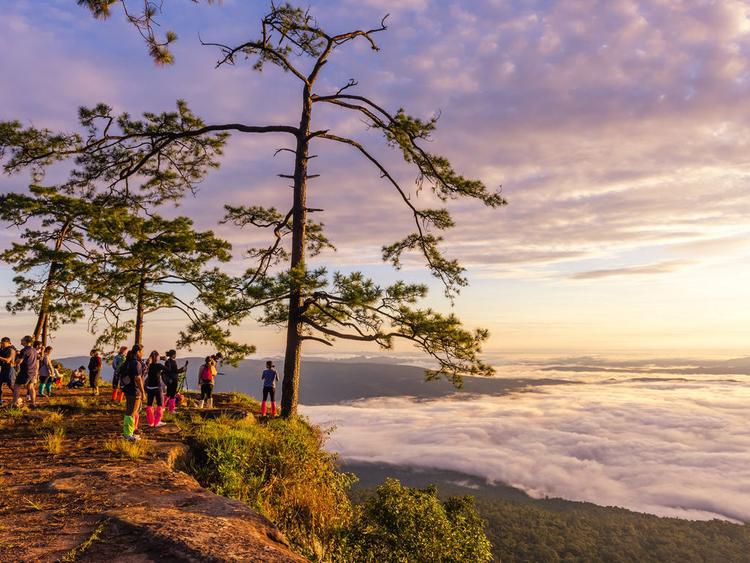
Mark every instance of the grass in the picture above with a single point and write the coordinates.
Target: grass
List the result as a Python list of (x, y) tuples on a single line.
[(53, 441), (79, 403), (242, 400), (95, 536), (130, 450), (51, 420), (279, 468), (13, 414), (35, 505)]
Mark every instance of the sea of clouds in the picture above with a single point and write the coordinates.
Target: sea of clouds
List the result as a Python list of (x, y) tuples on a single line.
[(668, 446)]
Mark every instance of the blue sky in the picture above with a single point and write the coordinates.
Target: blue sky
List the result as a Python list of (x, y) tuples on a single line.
[(618, 130)]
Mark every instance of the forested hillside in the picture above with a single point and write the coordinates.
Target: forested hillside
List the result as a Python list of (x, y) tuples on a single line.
[(523, 532)]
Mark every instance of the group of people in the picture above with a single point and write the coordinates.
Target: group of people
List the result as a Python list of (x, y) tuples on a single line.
[(135, 379), (155, 380), (25, 369), (152, 379)]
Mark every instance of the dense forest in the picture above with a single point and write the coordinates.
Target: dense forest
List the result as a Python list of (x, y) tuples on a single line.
[(521, 528), (524, 532)]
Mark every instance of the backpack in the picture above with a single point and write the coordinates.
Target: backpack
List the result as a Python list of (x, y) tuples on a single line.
[(206, 373), (121, 374)]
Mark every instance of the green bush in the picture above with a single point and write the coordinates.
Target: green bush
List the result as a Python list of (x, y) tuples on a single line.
[(402, 524), (281, 469)]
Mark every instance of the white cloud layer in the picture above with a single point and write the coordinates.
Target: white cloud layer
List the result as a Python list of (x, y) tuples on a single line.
[(672, 448)]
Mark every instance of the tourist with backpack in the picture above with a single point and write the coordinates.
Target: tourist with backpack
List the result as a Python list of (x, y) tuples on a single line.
[(206, 375), (118, 363), (131, 383), (269, 377)]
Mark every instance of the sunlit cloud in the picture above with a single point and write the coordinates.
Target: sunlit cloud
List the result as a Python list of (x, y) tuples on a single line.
[(673, 448), (647, 269)]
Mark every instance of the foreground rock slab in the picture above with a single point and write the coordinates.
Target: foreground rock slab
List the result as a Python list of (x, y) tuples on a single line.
[(87, 504)]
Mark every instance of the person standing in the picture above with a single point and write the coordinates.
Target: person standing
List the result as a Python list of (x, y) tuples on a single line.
[(46, 373), (27, 363), (206, 375), (154, 373), (117, 363), (172, 378), (7, 367), (269, 377), (131, 383), (95, 370)]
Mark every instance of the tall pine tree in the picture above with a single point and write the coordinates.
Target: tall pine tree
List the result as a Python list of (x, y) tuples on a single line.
[(310, 304)]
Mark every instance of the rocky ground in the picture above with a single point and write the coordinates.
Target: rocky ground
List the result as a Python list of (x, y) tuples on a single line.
[(86, 499)]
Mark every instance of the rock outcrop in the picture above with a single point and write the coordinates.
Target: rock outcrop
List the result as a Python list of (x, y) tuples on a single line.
[(88, 504)]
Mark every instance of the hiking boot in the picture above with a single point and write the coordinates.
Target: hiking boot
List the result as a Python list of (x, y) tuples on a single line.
[(132, 438)]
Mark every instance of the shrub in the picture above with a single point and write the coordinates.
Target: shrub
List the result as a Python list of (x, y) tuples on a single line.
[(404, 524), (281, 469)]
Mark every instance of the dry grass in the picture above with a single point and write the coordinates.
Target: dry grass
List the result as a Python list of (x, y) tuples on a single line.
[(53, 441), (51, 421), (130, 450)]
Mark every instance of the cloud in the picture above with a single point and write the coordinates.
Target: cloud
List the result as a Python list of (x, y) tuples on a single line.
[(647, 269), (669, 448)]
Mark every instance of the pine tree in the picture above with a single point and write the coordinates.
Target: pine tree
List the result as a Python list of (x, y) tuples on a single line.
[(51, 258), (168, 148), (147, 264)]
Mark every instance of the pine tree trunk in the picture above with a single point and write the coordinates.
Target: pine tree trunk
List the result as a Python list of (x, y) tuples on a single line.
[(45, 331), (290, 383), (42, 321), (139, 312)]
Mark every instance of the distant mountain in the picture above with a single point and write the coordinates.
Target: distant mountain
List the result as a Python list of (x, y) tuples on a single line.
[(326, 382), (735, 366)]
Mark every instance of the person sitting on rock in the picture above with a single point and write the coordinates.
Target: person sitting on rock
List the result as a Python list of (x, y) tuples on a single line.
[(77, 378)]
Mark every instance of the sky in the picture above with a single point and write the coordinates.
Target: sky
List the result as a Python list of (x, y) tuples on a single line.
[(619, 132)]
